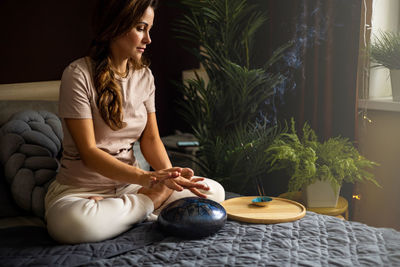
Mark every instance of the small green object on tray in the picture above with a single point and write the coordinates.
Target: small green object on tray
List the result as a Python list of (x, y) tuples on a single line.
[(261, 201)]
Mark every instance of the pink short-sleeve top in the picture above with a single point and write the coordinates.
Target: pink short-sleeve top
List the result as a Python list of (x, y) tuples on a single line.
[(78, 101)]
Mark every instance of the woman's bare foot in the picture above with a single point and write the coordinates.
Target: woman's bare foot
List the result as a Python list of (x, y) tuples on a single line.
[(159, 193), (96, 198)]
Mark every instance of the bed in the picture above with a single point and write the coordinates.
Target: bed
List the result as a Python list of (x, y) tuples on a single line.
[(314, 240)]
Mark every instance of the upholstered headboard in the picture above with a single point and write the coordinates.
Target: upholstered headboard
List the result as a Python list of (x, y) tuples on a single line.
[(22, 96)]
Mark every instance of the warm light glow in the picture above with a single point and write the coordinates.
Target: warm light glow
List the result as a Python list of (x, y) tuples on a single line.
[(358, 197), (368, 119)]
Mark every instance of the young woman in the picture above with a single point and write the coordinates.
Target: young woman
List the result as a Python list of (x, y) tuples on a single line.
[(106, 105)]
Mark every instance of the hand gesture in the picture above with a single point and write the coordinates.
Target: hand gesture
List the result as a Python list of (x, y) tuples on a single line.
[(177, 179), (153, 177), (187, 181)]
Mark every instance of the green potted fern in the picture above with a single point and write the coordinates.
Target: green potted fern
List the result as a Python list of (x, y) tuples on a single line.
[(227, 110), (318, 169), (385, 52)]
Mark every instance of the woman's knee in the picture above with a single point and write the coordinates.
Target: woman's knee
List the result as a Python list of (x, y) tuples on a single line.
[(216, 191), (78, 220), (74, 224)]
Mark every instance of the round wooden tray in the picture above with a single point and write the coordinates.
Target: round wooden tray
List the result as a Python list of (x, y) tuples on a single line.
[(277, 211)]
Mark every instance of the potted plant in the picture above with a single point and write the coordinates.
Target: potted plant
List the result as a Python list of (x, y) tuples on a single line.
[(385, 51), (227, 111), (318, 168)]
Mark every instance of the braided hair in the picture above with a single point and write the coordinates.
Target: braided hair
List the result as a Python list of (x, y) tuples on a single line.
[(112, 19)]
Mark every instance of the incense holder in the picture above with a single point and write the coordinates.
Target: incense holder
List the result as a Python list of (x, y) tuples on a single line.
[(261, 201)]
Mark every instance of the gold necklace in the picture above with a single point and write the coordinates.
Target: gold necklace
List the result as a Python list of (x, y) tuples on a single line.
[(123, 75)]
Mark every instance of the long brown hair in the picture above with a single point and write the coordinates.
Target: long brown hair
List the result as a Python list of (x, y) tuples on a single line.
[(112, 19)]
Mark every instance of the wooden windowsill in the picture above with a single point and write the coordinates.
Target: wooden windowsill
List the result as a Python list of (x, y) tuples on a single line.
[(382, 104)]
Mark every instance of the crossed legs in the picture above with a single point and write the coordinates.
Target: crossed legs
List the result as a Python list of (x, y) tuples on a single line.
[(76, 215)]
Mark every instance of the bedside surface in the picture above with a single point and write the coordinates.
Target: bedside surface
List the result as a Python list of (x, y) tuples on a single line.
[(277, 211), (341, 207)]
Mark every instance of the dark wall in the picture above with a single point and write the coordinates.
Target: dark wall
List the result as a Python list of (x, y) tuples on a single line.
[(168, 60), (40, 38)]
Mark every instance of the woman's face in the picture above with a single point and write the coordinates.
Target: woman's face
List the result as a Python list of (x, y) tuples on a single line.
[(133, 44)]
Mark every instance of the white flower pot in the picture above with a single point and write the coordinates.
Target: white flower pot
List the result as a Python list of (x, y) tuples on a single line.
[(321, 194), (395, 82)]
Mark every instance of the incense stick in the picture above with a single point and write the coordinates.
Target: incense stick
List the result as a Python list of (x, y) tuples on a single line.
[(259, 185)]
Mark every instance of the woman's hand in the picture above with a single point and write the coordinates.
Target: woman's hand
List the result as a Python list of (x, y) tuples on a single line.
[(186, 181), (176, 179), (151, 178), (181, 183), (187, 173)]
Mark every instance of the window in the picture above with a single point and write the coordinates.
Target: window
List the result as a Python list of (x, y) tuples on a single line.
[(385, 17)]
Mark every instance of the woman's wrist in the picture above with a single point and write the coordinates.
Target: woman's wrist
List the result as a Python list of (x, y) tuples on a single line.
[(144, 178)]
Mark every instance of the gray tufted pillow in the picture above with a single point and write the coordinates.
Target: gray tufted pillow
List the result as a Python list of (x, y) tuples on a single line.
[(30, 142)]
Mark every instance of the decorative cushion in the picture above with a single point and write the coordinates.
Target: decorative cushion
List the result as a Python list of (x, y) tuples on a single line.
[(192, 217), (30, 142), (8, 208)]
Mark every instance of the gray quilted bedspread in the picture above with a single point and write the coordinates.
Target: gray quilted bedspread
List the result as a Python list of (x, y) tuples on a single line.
[(315, 240)]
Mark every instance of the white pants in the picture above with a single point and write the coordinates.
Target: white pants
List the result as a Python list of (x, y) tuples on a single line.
[(73, 218)]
